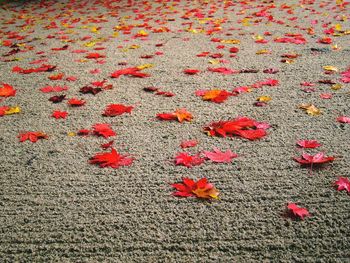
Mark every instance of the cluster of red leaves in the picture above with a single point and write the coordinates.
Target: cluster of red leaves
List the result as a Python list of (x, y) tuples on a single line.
[(200, 189), (242, 126), (42, 68), (98, 129), (180, 115), (291, 38), (111, 159), (216, 156)]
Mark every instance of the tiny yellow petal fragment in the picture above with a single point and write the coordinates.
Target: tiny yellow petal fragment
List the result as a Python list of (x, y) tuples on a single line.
[(264, 98), (13, 110)]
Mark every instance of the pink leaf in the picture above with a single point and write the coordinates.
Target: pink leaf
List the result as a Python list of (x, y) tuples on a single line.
[(220, 157)]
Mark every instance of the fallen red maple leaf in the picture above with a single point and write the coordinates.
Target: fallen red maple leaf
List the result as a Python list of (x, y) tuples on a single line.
[(57, 99), (76, 103), (48, 89), (94, 56), (117, 109), (32, 136), (234, 50), (111, 159), (188, 144), (252, 135), (215, 95), (318, 158), (188, 160), (225, 71), (199, 189), (308, 144), (342, 183), (297, 211), (3, 110), (343, 119), (7, 90), (218, 156), (135, 72), (91, 90), (59, 114), (180, 115), (191, 71), (107, 145), (58, 76), (103, 129)]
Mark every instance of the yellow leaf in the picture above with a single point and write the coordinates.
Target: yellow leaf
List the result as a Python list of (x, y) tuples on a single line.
[(336, 86), (311, 109), (338, 34), (142, 33), (338, 27), (194, 31), (330, 68), (289, 61), (258, 37), (214, 61), (245, 22), (141, 67), (263, 51), (335, 47), (90, 44), (230, 41), (71, 134), (13, 110), (134, 46), (264, 99)]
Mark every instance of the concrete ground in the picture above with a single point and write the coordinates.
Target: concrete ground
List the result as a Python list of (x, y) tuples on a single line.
[(56, 207)]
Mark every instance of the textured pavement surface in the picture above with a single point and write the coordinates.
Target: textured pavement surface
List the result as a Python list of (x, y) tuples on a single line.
[(56, 207)]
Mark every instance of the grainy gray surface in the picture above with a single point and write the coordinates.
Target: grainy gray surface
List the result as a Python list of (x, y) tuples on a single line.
[(55, 207)]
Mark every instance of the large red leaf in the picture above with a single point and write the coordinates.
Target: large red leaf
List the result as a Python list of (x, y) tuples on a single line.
[(111, 159)]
